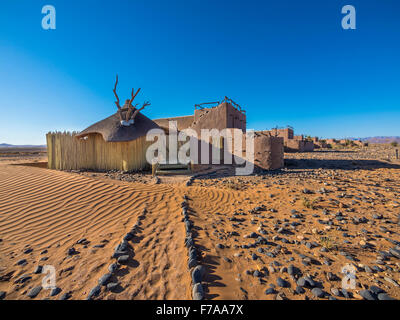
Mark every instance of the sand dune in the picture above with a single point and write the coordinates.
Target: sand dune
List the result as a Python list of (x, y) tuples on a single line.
[(49, 210)]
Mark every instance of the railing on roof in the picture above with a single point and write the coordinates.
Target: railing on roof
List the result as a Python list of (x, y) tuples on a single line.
[(216, 103), (282, 128)]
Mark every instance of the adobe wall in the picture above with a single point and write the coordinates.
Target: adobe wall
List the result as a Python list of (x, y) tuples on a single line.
[(293, 145), (320, 144), (235, 118), (299, 146), (308, 146), (220, 117), (211, 118), (299, 137), (286, 133), (268, 151)]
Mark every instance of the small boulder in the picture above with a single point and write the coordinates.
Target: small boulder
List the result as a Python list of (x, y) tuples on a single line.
[(123, 259), (105, 279), (94, 292), (198, 292), (112, 286), (34, 292), (317, 292), (55, 291)]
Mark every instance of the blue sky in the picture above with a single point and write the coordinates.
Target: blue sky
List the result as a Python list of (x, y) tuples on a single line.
[(286, 62)]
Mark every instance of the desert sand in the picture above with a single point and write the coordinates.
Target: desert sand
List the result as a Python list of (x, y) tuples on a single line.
[(258, 237)]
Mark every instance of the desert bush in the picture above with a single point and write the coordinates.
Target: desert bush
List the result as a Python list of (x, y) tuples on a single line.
[(394, 144), (232, 185), (309, 204), (327, 242)]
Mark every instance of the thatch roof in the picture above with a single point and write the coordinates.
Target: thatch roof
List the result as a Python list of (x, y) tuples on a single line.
[(113, 131)]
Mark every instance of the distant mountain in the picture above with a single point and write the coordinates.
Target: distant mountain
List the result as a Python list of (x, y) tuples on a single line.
[(6, 145), (379, 139)]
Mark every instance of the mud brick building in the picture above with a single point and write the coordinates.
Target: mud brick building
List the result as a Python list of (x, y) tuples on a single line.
[(292, 143), (226, 114)]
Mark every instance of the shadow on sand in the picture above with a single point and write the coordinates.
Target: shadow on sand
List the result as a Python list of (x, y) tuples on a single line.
[(339, 164)]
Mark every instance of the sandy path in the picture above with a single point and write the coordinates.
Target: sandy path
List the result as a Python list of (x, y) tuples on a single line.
[(160, 270), (210, 218)]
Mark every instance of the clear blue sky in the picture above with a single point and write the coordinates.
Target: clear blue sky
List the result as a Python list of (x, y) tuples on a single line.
[(286, 62)]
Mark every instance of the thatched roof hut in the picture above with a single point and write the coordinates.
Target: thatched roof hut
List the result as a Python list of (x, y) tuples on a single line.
[(115, 143), (113, 131)]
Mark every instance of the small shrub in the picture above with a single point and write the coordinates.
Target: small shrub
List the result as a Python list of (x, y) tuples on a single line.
[(233, 186), (394, 144), (327, 243), (309, 204)]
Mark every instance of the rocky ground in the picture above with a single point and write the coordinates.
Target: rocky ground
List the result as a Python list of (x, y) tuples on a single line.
[(286, 234), (289, 234)]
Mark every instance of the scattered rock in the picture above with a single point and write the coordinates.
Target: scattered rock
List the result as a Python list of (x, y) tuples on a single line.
[(198, 293), (71, 251), (300, 290), (123, 259), (384, 296), (38, 270), (270, 291), (317, 292), (112, 286), (34, 292), (375, 290), (94, 292), (112, 267), (55, 291), (282, 283), (197, 274), (257, 274), (335, 292), (24, 278), (192, 263), (391, 281), (105, 279), (367, 295), (66, 296), (394, 252), (22, 262)]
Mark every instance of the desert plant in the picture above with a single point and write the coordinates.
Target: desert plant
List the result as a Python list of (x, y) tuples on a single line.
[(327, 242), (232, 185), (394, 144), (309, 204)]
